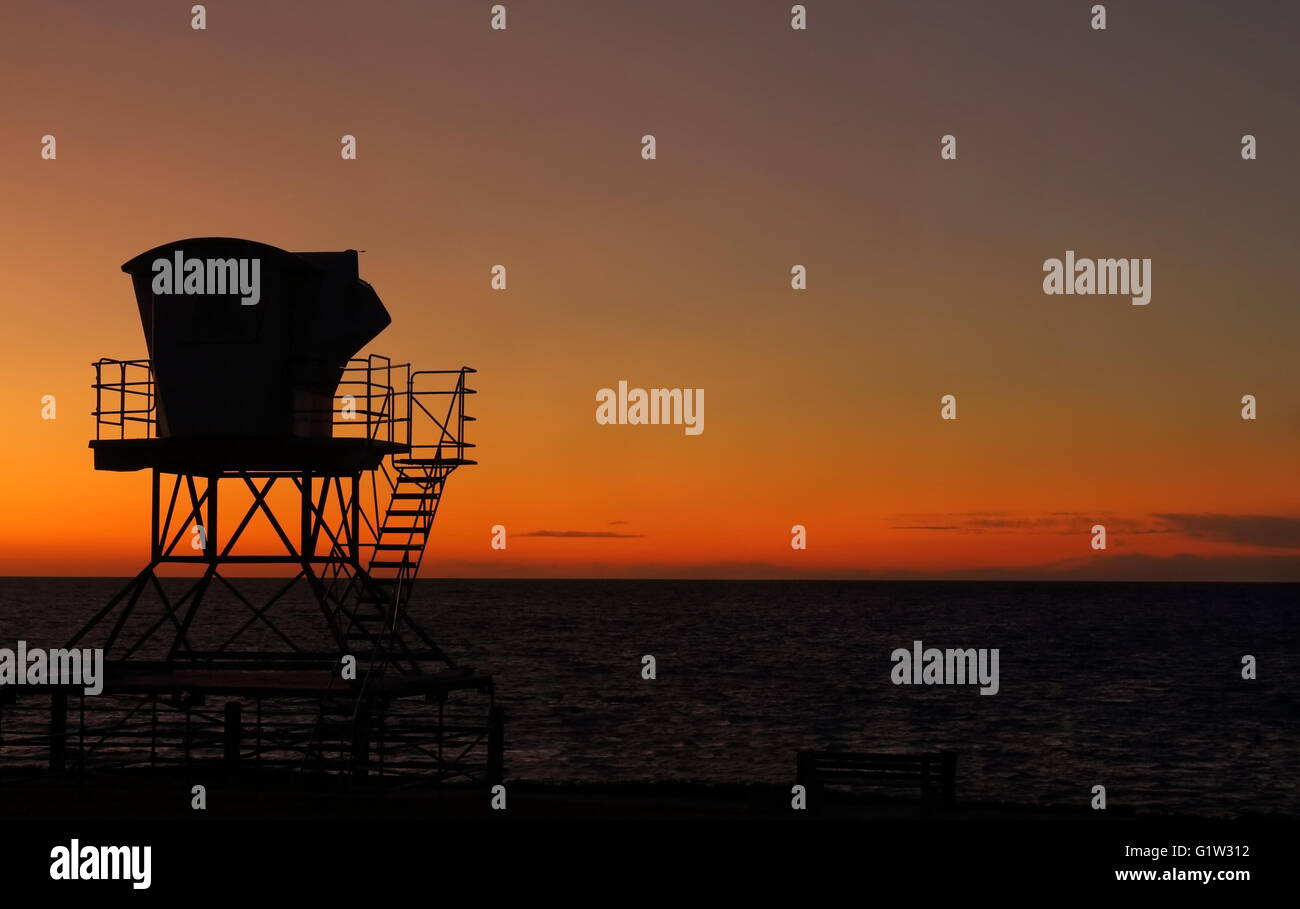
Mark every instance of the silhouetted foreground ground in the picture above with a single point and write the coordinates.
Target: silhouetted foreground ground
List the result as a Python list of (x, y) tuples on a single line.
[(169, 795), (595, 839)]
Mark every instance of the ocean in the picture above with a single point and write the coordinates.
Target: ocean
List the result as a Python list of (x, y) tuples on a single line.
[(1136, 687)]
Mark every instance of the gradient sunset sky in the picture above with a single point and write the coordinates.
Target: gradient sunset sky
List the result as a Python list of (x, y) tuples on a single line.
[(775, 147)]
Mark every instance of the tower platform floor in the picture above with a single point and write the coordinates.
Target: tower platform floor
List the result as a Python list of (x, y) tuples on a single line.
[(332, 456)]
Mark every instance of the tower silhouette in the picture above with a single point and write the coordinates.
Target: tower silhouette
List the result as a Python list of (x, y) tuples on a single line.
[(254, 412)]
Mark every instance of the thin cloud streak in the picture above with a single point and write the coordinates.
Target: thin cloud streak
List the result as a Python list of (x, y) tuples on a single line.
[(1265, 531), (580, 534)]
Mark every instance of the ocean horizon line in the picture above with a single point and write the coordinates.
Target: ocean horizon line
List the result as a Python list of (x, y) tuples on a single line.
[(696, 580)]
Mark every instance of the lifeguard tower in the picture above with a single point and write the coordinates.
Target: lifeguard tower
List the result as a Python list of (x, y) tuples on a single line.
[(273, 449)]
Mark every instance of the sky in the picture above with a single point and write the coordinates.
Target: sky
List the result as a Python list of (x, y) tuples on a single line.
[(775, 147)]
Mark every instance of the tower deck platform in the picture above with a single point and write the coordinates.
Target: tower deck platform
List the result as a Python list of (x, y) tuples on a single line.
[(329, 456)]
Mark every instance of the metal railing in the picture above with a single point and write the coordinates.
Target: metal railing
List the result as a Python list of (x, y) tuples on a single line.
[(367, 403), (124, 399), (407, 737), (442, 431), (376, 399)]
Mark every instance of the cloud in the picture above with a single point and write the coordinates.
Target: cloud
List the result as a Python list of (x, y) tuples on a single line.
[(1266, 531), (580, 534), (1260, 531), (1136, 567), (999, 522)]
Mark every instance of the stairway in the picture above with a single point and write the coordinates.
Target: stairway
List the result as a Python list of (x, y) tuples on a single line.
[(399, 547), (375, 627)]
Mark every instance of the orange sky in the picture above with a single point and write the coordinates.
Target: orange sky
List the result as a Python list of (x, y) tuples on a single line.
[(774, 148)]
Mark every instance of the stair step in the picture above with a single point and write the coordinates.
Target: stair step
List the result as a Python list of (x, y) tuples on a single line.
[(409, 478), (385, 563), (407, 513), (416, 529), (399, 546), (415, 495)]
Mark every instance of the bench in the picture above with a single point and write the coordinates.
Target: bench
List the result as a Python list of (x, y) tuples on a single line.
[(934, 773)]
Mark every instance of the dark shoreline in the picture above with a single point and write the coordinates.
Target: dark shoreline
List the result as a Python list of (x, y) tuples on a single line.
[(153, 795)]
